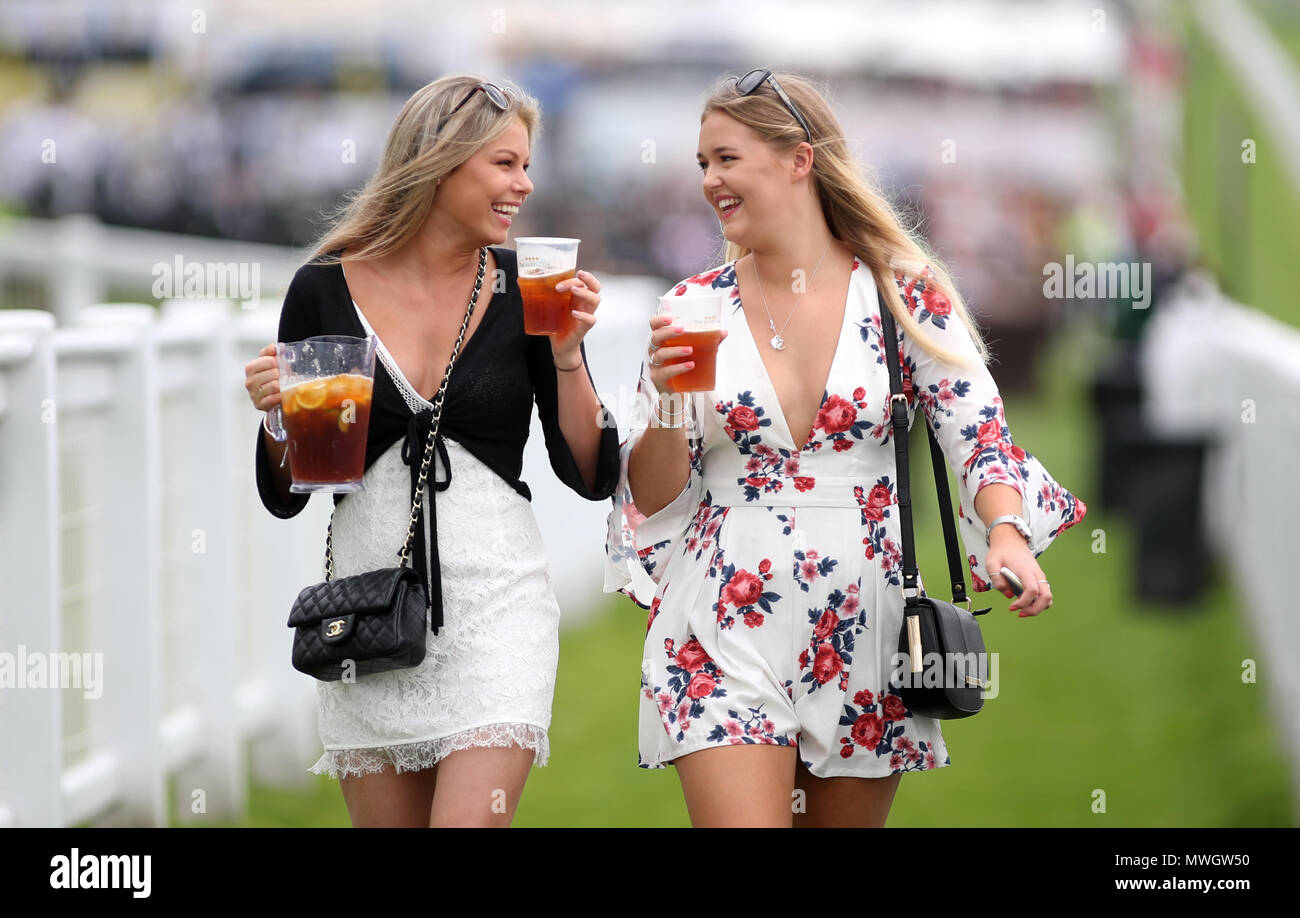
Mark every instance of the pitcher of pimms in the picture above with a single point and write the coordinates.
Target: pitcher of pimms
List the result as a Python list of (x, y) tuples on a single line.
[(325, 387)]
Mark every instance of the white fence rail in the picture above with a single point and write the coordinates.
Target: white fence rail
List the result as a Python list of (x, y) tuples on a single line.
[(143, 587), (1220, 371)]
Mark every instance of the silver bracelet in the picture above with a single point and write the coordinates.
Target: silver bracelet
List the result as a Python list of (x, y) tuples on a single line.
[(659, 417)]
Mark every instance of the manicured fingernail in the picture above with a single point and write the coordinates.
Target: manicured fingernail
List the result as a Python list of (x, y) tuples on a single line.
[(691, 364), (690, 350)]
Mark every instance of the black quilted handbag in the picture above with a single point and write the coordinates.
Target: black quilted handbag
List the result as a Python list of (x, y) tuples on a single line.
[(377, 620), (364, 624), (941, 669)]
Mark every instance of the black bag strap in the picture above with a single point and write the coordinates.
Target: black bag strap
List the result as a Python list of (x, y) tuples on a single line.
[(898, 419)]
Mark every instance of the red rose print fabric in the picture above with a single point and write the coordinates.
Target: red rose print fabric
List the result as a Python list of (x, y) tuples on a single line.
[(773, 580)]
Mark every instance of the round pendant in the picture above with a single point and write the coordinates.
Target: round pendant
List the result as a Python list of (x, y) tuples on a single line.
[(777, 342)]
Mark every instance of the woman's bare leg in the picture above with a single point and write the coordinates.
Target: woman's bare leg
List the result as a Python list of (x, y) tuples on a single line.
[(844, 802), (739, 785), (388, 799), (479, 786)]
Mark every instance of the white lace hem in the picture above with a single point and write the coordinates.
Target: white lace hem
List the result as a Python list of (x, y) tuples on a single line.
[(422, 754)]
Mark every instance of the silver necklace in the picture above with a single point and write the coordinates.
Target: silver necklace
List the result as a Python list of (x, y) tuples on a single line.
[(778, 342)]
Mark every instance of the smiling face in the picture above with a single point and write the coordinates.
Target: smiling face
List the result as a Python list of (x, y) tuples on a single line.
[(746, 182), (477, 201)]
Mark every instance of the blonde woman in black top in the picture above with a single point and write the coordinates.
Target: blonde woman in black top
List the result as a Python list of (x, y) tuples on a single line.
[(448, 742)]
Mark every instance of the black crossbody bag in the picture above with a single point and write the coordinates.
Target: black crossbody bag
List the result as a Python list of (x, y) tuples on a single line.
[(941, 669), (374, 621)]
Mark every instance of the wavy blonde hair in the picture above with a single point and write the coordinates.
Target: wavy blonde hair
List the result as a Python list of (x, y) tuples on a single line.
[(392, 206), (856, 212)]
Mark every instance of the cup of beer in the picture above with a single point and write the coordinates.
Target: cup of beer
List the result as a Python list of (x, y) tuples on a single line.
[(699, 314), (326, 383), (544, 261)]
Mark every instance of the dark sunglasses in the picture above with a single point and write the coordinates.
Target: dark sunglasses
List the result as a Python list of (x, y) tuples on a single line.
[(747, 84), (496, 95)]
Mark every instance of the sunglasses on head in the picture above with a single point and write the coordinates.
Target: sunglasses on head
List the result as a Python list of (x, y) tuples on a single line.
[(496, 95), (750, 82)]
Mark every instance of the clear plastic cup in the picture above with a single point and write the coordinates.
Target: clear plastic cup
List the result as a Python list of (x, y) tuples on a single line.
[(545, 261), (699, 314)]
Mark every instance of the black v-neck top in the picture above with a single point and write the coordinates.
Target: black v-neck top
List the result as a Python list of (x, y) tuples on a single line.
[(498, 376)]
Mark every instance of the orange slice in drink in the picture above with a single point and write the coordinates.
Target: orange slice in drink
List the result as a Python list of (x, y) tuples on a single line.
[(311, 395), (340, 387)]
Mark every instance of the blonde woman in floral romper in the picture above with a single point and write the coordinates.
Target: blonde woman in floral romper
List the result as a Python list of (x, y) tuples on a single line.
[(763, 535)]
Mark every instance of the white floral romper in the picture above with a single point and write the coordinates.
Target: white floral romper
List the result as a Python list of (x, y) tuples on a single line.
[(774, 579)]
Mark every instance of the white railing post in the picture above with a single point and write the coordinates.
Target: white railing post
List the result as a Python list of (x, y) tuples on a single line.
[(112, 372), (74, 281), (31, 719), (198, 543)]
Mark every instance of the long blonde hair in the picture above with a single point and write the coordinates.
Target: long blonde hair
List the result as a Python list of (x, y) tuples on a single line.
[(392, 206), (856, 213)]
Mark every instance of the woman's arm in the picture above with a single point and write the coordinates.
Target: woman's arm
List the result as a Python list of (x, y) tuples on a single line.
[(300, 317), (581, 440), (261, 379), (580, 414), (1007, 547), (275, 457), (995, 476), (994, 500), (658, 466), (579, 409)]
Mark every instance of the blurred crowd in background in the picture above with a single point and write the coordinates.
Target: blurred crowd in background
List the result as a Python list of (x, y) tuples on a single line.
[(1017, 132)]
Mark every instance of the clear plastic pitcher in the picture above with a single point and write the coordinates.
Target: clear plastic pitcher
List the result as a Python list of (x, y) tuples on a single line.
[(326, 385)]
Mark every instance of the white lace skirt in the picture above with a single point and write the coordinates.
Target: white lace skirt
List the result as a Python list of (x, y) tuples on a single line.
[(488, 678)]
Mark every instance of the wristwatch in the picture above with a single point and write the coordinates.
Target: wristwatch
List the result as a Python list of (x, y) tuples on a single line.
[(1021, 527)]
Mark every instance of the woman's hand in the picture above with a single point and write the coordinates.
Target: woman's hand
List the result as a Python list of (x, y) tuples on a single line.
[(1009, 549), (586, 297), (262, 379), (661, 330)]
